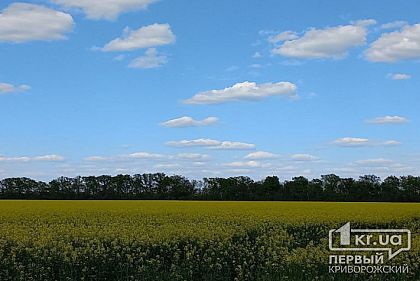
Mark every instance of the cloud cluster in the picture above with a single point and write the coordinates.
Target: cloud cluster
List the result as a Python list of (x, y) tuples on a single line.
[(23, 22), (104, 9), (187, 121), (249, 91)]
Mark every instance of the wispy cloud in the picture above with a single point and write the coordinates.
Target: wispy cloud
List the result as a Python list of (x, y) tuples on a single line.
[(399, 76), (259, 155), (360, 142), (212, 144), (6, 88), (388, 120), (109, 10), (151, 59), (187, 121), (304, 157), (46, 158)]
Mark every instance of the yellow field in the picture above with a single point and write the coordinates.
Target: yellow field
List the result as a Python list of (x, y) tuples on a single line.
[(186, 240)]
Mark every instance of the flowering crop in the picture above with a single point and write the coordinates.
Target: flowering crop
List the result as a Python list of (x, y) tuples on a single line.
[(185, 240)]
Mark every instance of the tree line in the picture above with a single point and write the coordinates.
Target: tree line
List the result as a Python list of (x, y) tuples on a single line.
[(164, 187)]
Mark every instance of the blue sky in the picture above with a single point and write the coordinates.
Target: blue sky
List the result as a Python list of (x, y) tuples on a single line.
[(209, 88)]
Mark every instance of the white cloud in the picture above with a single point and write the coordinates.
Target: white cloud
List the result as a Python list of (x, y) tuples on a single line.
[(212, 144), (399, 76), (187, 121), (284, 36), (244, 91), (330, 42), (393, 25), (51, 157), (359, 142), (255, 65), (233, 145), (391, 142), (145, 155), (23, 22), (95, 158), (389, 120), (246, 164), (41, 158), (395, 46), (144, 37), (303, 157), (374, 162), (196, 142), (257, 55), (105, 9), (349, 141), (232, 68), (193, 156), (151, 59), (258, 155), (6, 88)]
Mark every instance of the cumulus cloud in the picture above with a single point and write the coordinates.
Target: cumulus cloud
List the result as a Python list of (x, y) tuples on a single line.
[(212, 144), (187, 121), (303, 157), (259, 155), (151, 59), (104, 9), (396, 46), (399, 76), (145, 37), (6, 88), (23, 22), (388, 120), (249, 91), (41, 158), (359, 142), (330, 42)]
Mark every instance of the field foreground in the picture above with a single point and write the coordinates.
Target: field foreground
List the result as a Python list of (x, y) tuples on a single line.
[(184, 240)]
